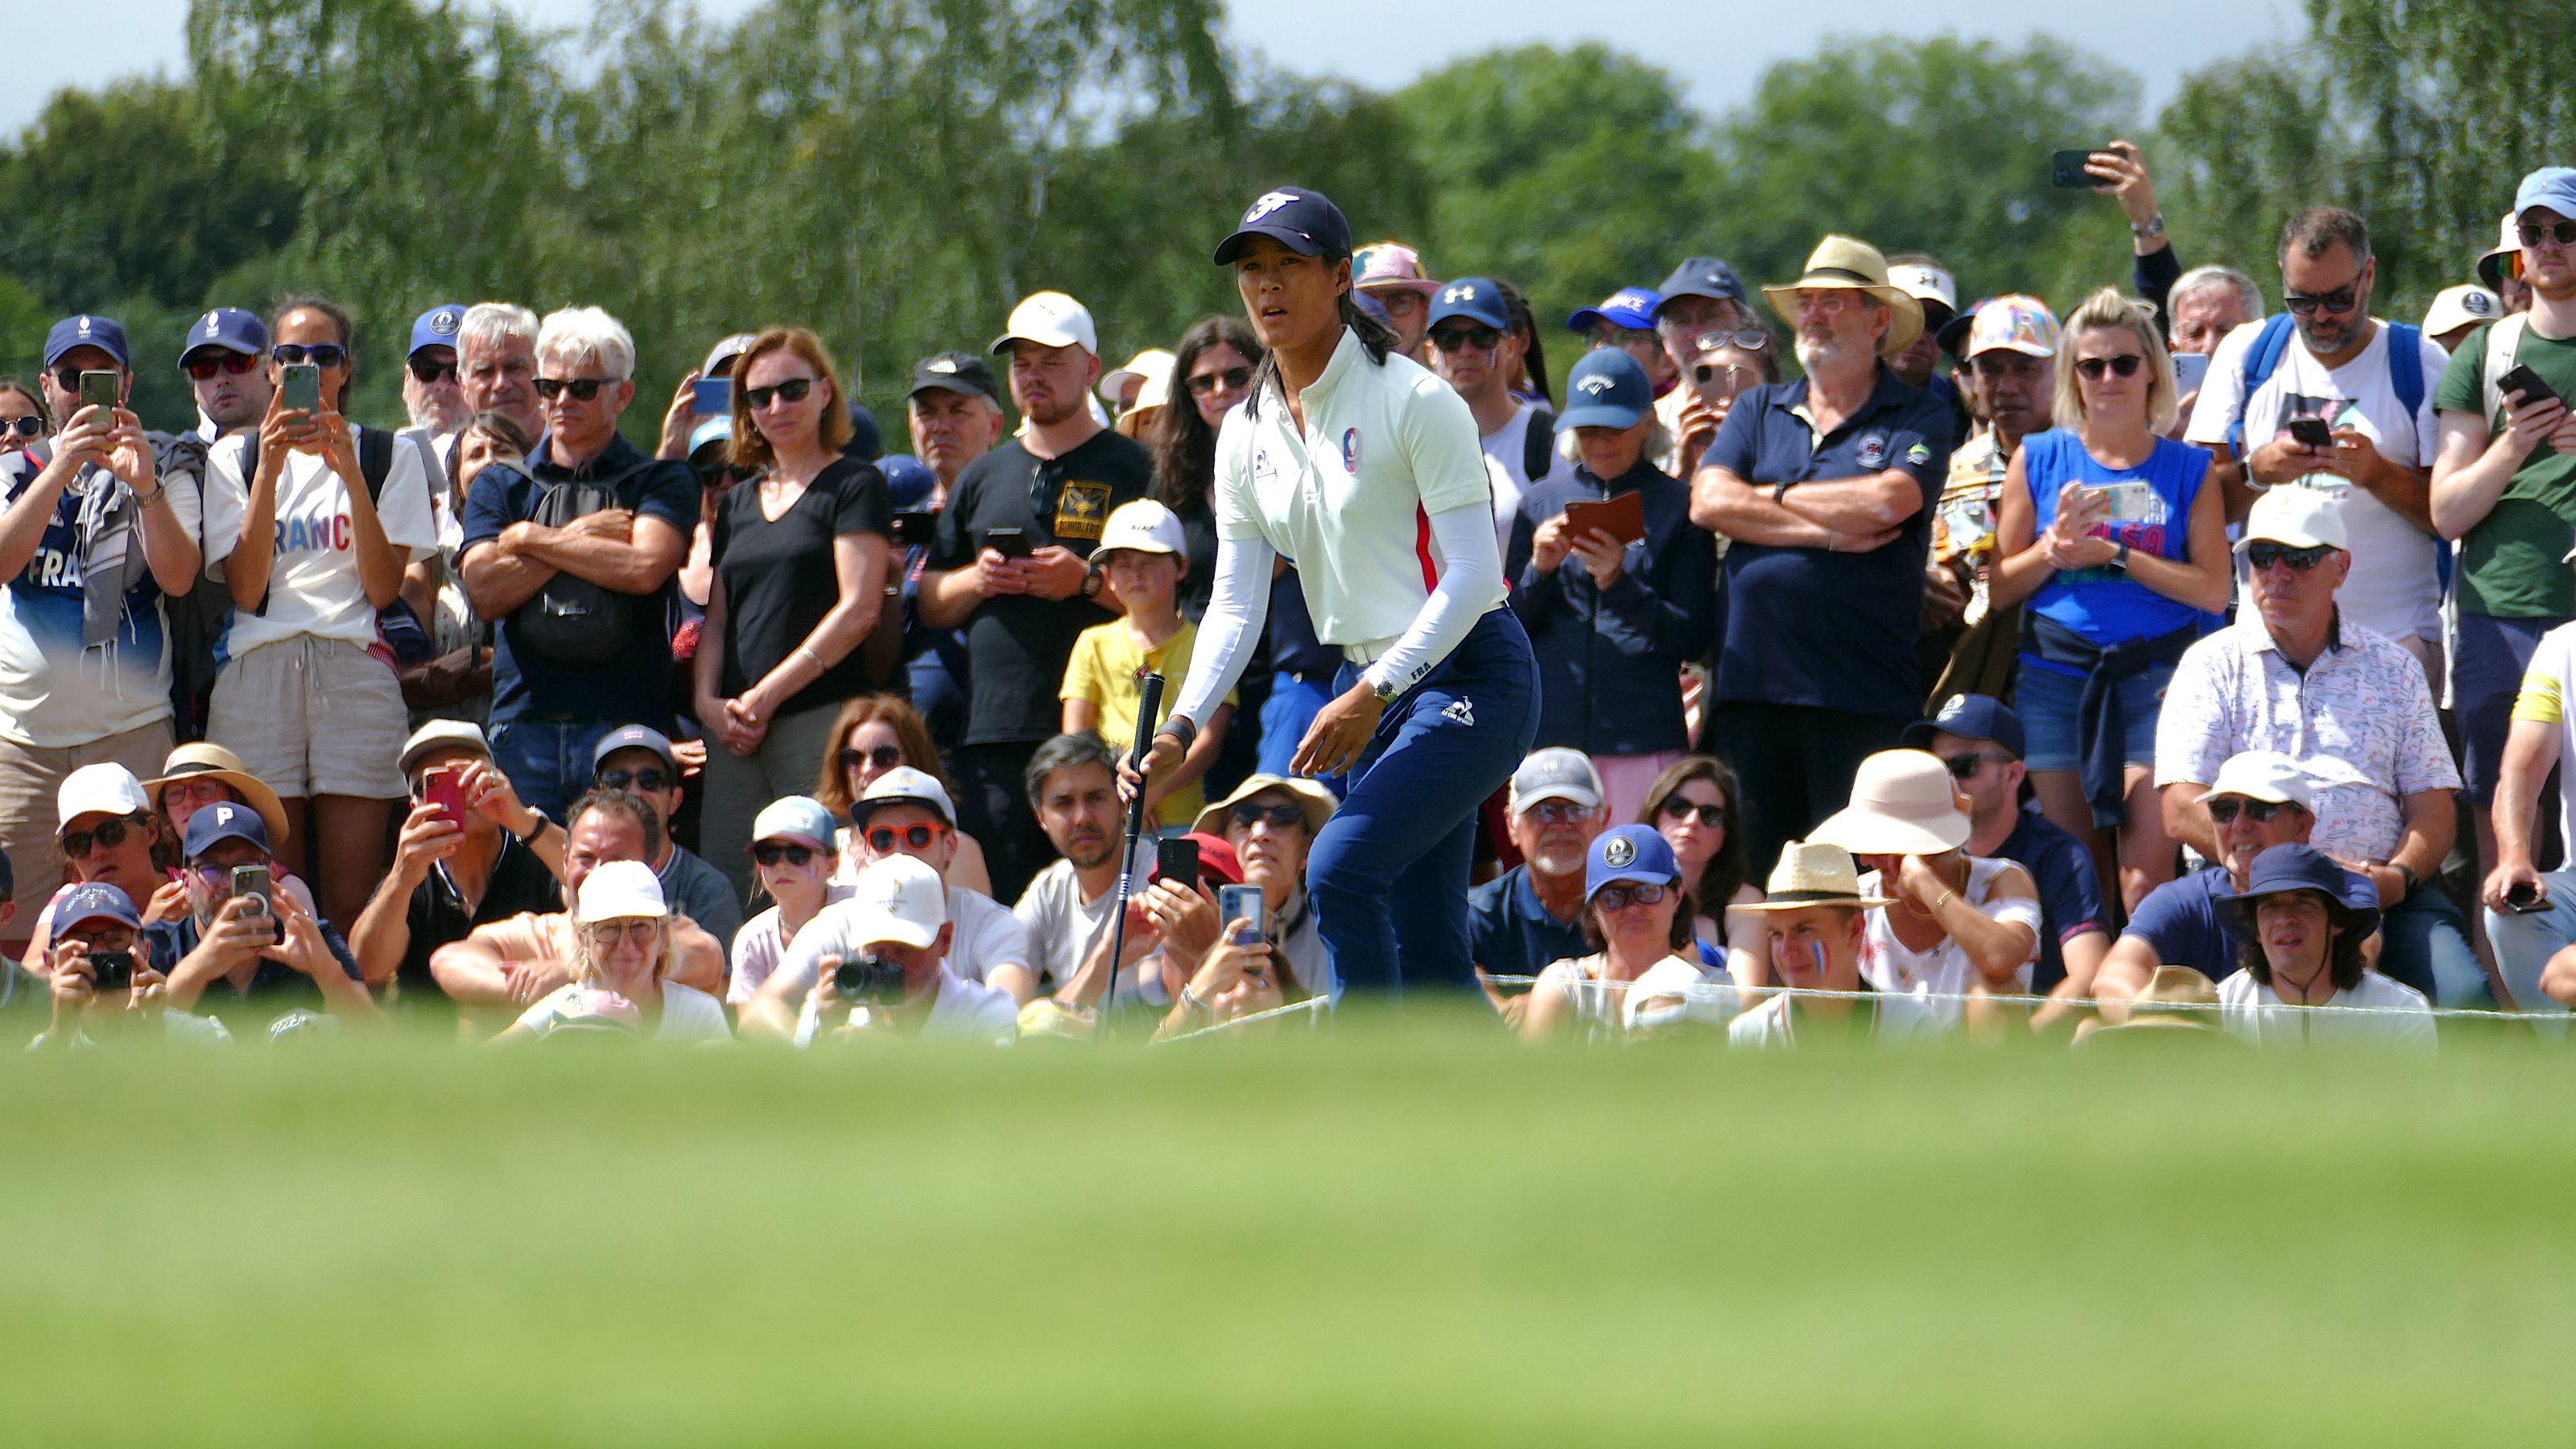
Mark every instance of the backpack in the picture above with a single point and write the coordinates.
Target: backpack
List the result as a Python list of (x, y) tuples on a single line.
[(1538, 445), (375, 460), (2503, 340), (2405, 378), (571, 620)]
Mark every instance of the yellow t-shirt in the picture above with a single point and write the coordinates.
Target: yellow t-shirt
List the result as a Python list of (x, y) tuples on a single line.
[(1104, 669)]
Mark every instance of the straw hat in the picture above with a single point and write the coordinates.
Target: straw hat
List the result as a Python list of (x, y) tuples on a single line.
[(1902, 803), (1848, 262), (202, 759), (2177, 1001), (1812, 873)]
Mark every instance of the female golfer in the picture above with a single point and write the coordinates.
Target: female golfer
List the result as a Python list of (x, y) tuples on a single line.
[(1361, 468)]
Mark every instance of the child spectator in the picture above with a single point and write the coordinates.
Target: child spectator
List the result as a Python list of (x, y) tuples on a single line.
[(1142, 556)]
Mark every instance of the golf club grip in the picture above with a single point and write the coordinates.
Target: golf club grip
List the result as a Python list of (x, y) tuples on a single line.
[(1149, 713)]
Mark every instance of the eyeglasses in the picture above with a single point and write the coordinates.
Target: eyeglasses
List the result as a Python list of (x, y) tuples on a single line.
[(792, 390), (2534, 233), (30, 426), (884, 757), (1750, 338), (768, 854), (1623, 337), (647, 780), (882, 838), (1231, 379), (430, 369), (2126, 364), (1968, 766), (1558, 812), (1676, 807), (583, 389), (2224, 810), (230, 364), (1828, 304), (1454, 339), (2263, 555), (1247, 815), (2338, 301), (637, 929), (106, 835), (1620, 897), (320, 354)]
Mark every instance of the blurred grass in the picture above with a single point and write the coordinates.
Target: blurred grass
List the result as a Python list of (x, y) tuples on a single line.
[(1426, 1235)]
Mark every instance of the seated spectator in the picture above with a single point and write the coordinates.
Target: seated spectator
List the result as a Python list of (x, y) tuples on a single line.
[(1531, 914), (1259, 835), (1981, 742), (1142, 553), (1073, 786), (201, 774), (1961, 925), (512, 964), (1612, 621), (451, 876), (2106, 531), (2300, 943), (1693, 805), (2177, 1005), (896, 929), (873, 734), (242, 958), (110, 835), (1636, 916), (2294, 675), (641, 761), (1814, 922), (625, 952), (791, 848), (20, 988), (906, 812), (102, 986)]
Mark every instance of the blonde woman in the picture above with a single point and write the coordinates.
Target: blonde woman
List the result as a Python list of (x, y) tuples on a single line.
[(2114, 539), (622, 965)]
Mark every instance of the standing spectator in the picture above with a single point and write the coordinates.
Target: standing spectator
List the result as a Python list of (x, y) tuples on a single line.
[(574, 556), (2294, 675), (496, 363), (682, 423), (1141, 552), (1073, 786), (433, 391), (2209, 302), (24, 419), (2369, 383), (641, 762), (898, 914), (1636, 917), (1702, 296), (311, 523), (2501, 266), (2301, 946), (1626, 320), (800, 570), (1612, 620), (1477, 350), (792, 846), (224, 357), (2106, 531), (2009, 345), (873, 734), (455, 682), (2456, 313), (1025, 593), (1693, 804), (1532, 913), (1124, 390), (955, 413), (1814, 920), (1213, 365), (1825, 485), (626, 953), (90, 541), (1934, 290), (1390, 274)]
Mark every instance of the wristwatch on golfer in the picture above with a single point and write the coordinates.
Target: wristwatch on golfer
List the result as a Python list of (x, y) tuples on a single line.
[(1384, 689)]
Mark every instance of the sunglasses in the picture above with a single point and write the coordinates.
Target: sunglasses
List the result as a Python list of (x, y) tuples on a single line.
[(1969, 766), (1620, 897), (2339, 300), (583, 389), (228, 364), (792, 390), (638, 929), (2534, 233), (2263, 555), (883, 837), (30, 426), (2126, 365), (1623, 337), (1232, 379), (1676, 807), (647, 780), (884, 757), (768, 854), (1280, 817), (2260, 812), (430, 369), (320, 354), (68, 379), (1454, 339), (1752, 339), (106, 835)]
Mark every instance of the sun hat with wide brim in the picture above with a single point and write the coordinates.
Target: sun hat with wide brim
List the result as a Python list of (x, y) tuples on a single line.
[(1903, 802), (1314, 799), (210, 761), (2177, 1002), (1812, 873), (1848, 262)]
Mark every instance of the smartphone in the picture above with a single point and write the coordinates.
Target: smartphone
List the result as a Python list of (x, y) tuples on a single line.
[(1244, 903), (113, 970), (2525, 898), (2311, 431), (255, 882), (1008, 542), (2521, 380), (912, 527), (446, 790), (98, 389), (2191, 369), (711, 395), (302, 388), (1177, 859), (2066, 170)]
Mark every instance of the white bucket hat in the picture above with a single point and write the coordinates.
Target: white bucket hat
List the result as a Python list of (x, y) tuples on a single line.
[(1903, 802)]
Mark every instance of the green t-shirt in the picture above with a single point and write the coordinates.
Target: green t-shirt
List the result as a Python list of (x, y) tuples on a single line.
[(2512, 564)]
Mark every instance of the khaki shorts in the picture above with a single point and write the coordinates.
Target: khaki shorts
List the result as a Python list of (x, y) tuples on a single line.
[(29, 780), (313, 717)]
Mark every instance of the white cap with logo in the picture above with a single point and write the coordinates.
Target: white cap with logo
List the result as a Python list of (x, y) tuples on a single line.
[(898, 899), (2297, 515), (1050, 319), (1144, 526), (903, 785)]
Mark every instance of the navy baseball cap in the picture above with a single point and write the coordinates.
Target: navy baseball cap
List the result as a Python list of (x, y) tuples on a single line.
[(1608, 389), (229, 328), (1304, 221), (1702, 277), (94, 901), (1627, 307), (436, 327), (1629, 853), (2292, 867), (1970, 717), (224, 821), (958, 372), (1480, 298), (867, 440), (908, 479), (86, 330), (634, 737)]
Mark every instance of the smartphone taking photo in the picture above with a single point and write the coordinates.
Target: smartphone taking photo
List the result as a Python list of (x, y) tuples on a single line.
[(300, 388)]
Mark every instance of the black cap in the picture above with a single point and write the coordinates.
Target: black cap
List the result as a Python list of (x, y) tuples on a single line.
[(1305, 222), (958, 372)]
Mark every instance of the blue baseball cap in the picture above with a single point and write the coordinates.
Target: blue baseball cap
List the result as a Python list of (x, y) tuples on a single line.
[(1608, 389), (908, 479), (1480, 298), (94, 901), (867, 440), (1629, 853), (716, 429), (86, 330), (1627, 307), (634, 737), (2550, 186), (1970, 717), (2292, 867), (1702, 277), (229, 328), (436, 327), (224, 820), (1304, 221), (1368, 303)]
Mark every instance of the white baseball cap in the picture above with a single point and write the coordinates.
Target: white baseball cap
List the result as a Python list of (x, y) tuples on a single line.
[(2462, 306), (618, 890), (794, 817), (1556, 773), (2297, 515), (898, 899), (100, 790), (443, 734), (1925, 283), (1145, 366), (2264, 775), (1050, 319), (903, 785), (726, 351), (1144, 526)]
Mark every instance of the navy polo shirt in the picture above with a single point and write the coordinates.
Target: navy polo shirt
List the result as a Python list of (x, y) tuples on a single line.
[(1510, 933), (2070, 892), (2184, 923), (1806, 626)]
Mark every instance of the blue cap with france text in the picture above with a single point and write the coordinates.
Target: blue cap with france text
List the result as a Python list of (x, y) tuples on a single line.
[(1479, 298), (86, 330), (436, 327), (1608, 389), (229, 328), (1970, 717), (1302, 220), (1631, 307)]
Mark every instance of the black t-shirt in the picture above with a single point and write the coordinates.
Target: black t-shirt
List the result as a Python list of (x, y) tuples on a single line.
[(779, 578), (436, 914), (1020, 643)]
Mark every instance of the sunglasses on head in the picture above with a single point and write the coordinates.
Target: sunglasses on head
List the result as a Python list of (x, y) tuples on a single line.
[(320, 354), (430, 369), (2533, 233), (1247, 815), (2339, 300), (1453, 339), (2224, 809), (638, 929), (30, 426), (636, 780), (105, 835), (881, 839), (884, 757), (583, 389), (1231, 379), (1676, 807), (2126, 364), (1620, 897), (768, 854), (1967, 767), (792, 390), (2263, 555), (204, 366)]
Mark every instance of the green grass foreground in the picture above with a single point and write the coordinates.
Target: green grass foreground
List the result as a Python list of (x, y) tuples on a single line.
[(1378, 1236)]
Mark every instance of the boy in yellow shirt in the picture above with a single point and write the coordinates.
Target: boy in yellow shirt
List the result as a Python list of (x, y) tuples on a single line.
[(1142, 554)]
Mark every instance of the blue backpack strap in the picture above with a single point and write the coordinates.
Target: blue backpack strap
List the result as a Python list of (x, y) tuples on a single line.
[(2262, 359), (2406, 379)]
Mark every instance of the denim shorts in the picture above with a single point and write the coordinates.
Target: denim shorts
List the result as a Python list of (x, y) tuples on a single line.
[(2045, 699)]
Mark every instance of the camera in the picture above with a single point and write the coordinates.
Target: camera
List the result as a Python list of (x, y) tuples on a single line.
[(868, 981), (111, 970)]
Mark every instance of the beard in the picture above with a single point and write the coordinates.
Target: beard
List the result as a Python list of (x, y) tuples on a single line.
[(1826, 354)]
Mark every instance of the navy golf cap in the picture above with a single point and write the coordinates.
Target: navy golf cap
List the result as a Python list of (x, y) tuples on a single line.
[(229, 328), (2293, 867), (1970, 717), (1608, 389), (1305, 222), (224, 820), (1702, 277), (86, 330), (634, 737), (94, 901), (436, 327), (1480, 298), (909, 480)]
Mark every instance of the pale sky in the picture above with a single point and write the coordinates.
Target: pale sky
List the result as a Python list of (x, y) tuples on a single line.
[(1718, 48)]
